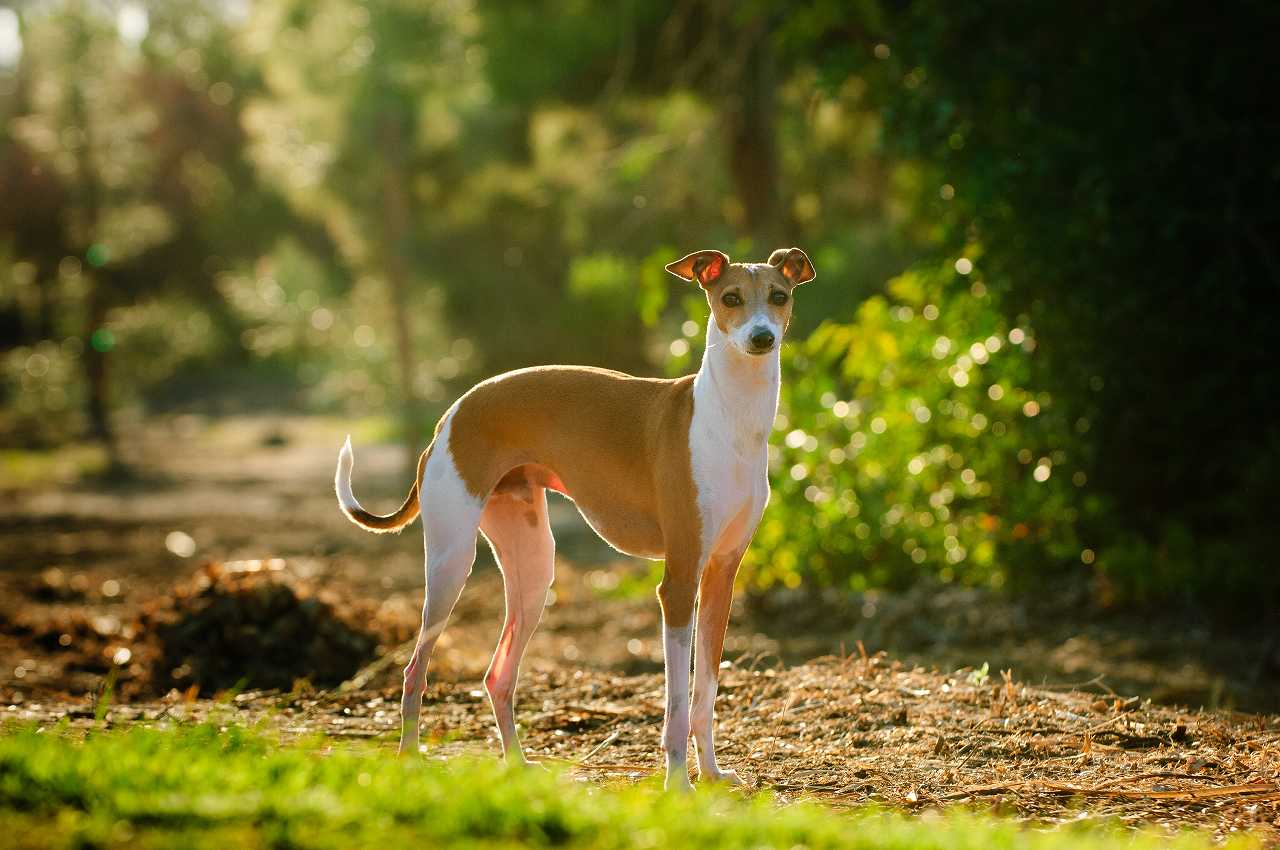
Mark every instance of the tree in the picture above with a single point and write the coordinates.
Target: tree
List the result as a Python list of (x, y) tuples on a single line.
[(136, 166)]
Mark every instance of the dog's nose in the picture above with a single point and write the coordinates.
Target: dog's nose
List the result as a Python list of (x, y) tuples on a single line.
[(762, 339)]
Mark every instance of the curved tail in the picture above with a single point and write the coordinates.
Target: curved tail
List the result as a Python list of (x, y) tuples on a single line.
[(405, 514)]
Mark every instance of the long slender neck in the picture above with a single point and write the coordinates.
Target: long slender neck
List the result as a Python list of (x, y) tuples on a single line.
[(740, 390)]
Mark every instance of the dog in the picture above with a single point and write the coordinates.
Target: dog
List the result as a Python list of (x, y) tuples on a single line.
[(662, 469)]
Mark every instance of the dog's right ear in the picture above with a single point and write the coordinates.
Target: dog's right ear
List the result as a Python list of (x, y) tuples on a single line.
[(702, 266)]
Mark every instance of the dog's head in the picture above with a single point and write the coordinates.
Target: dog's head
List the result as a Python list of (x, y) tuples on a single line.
[(750, 302)]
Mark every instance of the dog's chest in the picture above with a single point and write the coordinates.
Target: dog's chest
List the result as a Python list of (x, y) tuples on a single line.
[(730, 471)]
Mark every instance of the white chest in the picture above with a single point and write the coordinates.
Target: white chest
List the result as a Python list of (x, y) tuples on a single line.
[(730, 470)]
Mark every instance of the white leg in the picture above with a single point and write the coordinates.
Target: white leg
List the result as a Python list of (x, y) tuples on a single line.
[(520, 534), (450, 517), (445, 578), (676, 648), (677, 593)]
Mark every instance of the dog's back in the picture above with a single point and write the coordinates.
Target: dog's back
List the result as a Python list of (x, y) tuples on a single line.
[(614, 443)]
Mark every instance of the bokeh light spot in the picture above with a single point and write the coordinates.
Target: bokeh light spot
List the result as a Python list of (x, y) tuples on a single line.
[(364, 336), (180, 543), (102, 340), (97, 255)]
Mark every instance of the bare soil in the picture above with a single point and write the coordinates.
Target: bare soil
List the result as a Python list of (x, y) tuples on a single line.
[(898, 707)]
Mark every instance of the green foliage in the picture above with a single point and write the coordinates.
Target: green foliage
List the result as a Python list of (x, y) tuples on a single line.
[(207, 786), (356, 165), (914, 440), (920, 439), (1120, 179), (42, 396)]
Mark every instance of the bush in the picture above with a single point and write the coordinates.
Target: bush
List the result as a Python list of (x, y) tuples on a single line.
[(1119, 178), (914, 440), (920, 440)]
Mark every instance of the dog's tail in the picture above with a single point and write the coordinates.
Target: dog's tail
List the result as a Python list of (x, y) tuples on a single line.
[(405, 514)]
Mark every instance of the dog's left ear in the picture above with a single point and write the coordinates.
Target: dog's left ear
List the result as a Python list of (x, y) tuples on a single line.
[(702, 266), (794, 264)]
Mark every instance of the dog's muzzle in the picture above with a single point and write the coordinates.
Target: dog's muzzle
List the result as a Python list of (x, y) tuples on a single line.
[(762, 340)]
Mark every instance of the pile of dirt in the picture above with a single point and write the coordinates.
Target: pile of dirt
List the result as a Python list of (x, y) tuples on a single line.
[(233, 625), (75, 647), (253, 624)]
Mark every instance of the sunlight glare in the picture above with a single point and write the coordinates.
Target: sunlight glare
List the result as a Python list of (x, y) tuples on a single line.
[(133, 23), (10, 39)]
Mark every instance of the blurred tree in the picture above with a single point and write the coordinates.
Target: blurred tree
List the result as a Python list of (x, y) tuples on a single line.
[(141, 185), (374, 91), (718, 137)]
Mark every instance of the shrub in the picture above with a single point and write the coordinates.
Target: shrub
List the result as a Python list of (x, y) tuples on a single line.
[(914, 440)]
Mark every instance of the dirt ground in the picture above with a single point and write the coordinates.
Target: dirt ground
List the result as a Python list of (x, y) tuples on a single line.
[(904, 704)]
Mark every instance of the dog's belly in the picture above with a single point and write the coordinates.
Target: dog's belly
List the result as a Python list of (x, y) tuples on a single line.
[(630, 532), (623, 523)]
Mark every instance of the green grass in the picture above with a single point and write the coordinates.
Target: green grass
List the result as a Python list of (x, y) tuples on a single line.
[(199, 787), (20, 468)]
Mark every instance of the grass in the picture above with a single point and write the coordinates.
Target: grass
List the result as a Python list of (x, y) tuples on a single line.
[(205, 787), (21, 468)]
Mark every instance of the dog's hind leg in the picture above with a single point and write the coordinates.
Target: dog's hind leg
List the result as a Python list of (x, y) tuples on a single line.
[(519, 531), (450, 517)]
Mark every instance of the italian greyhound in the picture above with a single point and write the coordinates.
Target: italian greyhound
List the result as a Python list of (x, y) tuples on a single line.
[(661, 469)]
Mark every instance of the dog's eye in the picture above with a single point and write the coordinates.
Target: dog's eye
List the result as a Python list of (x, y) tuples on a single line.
[(778, 297), (731, 299)]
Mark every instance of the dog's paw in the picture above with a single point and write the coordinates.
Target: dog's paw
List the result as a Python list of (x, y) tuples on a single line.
[(677, 782), (525, 764), (728, 777)]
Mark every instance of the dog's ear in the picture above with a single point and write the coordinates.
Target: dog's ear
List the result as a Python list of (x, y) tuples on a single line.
[(794, 264), (702, 266)]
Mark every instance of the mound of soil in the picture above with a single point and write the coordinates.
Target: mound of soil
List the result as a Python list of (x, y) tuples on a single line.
[(252, 625)]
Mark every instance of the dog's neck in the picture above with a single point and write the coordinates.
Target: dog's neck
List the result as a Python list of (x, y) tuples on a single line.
[(738, 390)]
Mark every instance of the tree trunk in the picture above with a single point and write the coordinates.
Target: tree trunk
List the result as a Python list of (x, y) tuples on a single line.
[(396, 224), (753, 148), (95, 369), (47, 308), (97, 342)]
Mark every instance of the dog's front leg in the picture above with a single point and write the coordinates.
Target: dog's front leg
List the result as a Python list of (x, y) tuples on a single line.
[(676, 593), (715, 598)]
